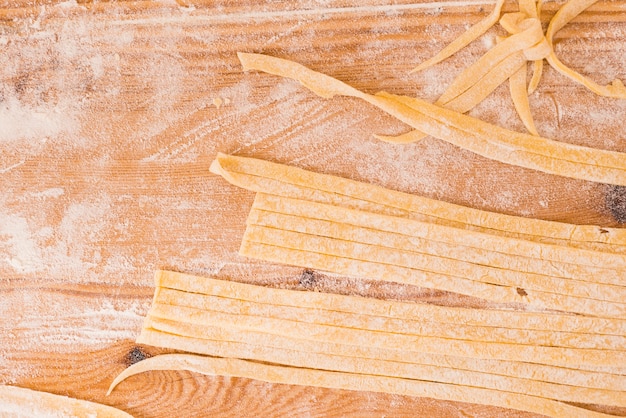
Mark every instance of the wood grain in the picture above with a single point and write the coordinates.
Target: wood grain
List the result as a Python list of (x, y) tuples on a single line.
[(109, 119)]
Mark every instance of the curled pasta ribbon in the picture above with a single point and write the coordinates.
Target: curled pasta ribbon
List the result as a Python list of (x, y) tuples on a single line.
[(505, 61), (273, 373), (482, 138), (566, 13), (470, 35), (518, 25), (525, 24)]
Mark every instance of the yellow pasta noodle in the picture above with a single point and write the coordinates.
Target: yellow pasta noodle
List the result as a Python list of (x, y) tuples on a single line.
[(480, 137), (22, 402), (375, 262), (470, 35), (345, 340), (358, 243), (342, 337), (349, 381), (393, 232), (564, 15), (392, 309), (409, 236), (291, 351), (237, 312), (278, 179)]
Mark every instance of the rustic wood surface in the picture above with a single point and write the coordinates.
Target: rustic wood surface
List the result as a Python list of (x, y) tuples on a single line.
[(110, 113)]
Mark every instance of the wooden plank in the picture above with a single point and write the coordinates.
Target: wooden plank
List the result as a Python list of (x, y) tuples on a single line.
[(110, 113)]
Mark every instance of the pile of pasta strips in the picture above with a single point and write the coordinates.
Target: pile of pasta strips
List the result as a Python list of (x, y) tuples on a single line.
[(538, 361), (565, 345)]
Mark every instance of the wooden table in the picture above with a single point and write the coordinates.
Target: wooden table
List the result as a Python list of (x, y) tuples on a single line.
[(111, 112)]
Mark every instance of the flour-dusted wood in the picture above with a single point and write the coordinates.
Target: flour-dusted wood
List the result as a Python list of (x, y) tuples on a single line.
[(108, 126)]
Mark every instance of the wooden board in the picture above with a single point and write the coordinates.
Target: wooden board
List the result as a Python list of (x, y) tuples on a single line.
[(110, 113)]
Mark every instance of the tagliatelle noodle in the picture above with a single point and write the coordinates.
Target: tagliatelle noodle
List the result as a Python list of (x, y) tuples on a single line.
[(527, 7), (477, 92), (482, 138), (381, 355), (283, 180), (352, 358), (564, 15), (22, 402), (392, 309), (591, 360), (411, 236), (529, 34), (468, 36), (468, 92), (577, 378), (277, 298), (515, 23), (338, 380), (519, 94), (537, 149), (237, 312), (420, 238), (405, 275), (536, 53), (435, 272), (346, 341)]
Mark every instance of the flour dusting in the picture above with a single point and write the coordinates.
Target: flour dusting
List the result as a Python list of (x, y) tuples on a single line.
[(111, 114)]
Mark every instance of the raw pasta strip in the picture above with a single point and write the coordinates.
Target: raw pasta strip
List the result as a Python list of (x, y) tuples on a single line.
[(364, 382), (537, 149), (505, 61), (363, 360), (477, 92), (440, 343), (554, 374), (482, 138), (378, 271), (564, 15), (610, 380), (519, 94), (341, 358), (529, 35), (250, 174), (216, 336), (449, 273), (527, 8), (469, 92), (251, 311), (347, 356), (22, 402), (459, 273), (390, 309), (517, 79), (363, 267), (470, 35), (347, 230), (360, 225)]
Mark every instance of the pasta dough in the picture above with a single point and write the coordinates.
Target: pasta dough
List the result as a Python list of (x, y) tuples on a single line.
[(391, 309), (249, 322), (526, 32), (338, 380), (22, 402), (464, 131), (282, 180), (239, 311), (360, 243)]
